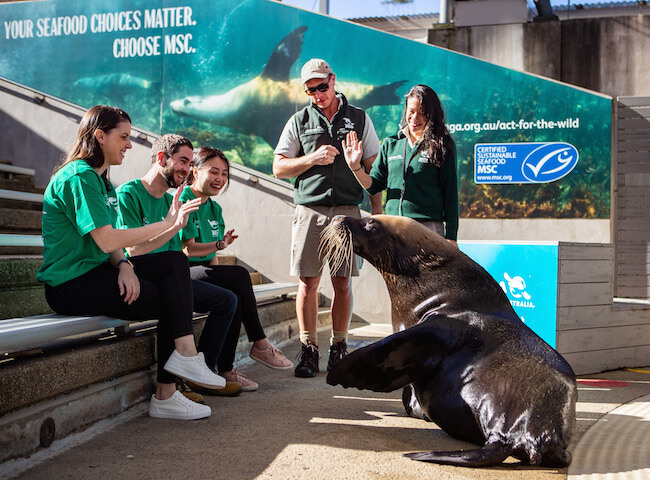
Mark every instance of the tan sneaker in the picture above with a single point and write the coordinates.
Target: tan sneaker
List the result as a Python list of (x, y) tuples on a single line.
[(230, 390), (247, 385), (187, 392), (271, 357)]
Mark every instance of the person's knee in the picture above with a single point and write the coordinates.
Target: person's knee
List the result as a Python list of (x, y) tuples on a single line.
[(308, 285), (177, 260), (341, 285)]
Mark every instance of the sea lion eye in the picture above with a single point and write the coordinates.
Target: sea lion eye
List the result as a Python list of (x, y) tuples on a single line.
[(370, 226)]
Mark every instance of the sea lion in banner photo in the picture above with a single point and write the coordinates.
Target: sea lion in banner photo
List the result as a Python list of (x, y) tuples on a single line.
[(262, 105), (468, 362)]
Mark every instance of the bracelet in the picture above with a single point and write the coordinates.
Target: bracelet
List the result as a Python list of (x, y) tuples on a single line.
[(123, 260), (360, 167), (219, 245)]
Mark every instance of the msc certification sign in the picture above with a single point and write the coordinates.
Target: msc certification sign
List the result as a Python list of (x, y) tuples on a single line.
[(523, 162)]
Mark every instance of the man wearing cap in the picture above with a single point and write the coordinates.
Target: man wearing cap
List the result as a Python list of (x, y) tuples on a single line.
[(310, 150)]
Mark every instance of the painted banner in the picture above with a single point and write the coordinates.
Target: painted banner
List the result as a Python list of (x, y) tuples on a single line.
[(226, 73), (528, 274)]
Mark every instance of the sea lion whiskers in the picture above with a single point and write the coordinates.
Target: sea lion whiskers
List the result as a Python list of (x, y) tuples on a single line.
[(336, 246)]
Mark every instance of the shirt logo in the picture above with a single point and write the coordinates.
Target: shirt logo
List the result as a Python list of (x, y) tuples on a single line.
[(394, 157), (349, 124), (214, 225)]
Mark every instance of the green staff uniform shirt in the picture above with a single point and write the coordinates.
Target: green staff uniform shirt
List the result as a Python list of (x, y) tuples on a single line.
[(206, 225), (431, 192), (76, 202), (139, 208)]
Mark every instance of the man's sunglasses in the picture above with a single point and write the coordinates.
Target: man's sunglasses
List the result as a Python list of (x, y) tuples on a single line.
[(323, 87)]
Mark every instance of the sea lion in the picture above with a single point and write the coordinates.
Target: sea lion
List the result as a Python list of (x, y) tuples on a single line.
[(468, 362), (262, 105)]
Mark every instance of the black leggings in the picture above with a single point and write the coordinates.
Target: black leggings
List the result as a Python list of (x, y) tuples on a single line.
[(237, 280), (165, 294)]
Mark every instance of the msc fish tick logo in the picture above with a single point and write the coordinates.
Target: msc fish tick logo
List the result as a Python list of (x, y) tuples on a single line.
[(550, 162)]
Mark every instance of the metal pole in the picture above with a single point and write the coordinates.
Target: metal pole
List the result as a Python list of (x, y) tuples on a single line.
[(444, 12), (324, 6)]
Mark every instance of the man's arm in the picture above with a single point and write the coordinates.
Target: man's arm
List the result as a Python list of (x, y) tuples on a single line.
[(285, 167)]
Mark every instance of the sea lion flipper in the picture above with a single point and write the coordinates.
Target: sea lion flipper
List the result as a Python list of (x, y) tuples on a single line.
[(284, 56), (492, 454), (381, 95), (395, 361)]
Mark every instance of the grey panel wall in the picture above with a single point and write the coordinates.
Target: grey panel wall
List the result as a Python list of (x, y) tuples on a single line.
[(632, 197)]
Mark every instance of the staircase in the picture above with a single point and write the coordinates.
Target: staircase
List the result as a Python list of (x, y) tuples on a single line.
[(21, 203)]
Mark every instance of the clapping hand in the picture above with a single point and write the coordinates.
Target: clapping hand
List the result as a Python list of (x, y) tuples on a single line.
[(229, 237)]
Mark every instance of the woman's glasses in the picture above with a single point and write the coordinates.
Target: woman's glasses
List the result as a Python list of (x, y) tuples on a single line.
[(323, 87)]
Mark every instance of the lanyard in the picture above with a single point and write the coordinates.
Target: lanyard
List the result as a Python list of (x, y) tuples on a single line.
[(405, 166)]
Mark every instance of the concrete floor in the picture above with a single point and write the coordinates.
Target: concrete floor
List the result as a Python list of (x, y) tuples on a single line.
[(294, 428)]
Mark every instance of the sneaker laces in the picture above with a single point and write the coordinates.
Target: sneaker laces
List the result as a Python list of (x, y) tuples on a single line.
[(309, 350), (184, 400), (238, 376), (275, 352), (182, 387)]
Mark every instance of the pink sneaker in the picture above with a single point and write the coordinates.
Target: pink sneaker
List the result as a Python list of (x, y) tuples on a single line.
[(271, 357), (247, 385)]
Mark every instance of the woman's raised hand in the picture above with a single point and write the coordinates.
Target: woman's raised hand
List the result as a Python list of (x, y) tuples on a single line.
[(352, 150)]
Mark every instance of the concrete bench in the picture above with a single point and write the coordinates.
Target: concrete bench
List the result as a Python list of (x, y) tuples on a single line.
[(25, 333)]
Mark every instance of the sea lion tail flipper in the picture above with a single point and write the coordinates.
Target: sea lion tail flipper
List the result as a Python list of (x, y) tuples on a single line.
[(393, 362), (492, 454), (284, 56), (381, 95)]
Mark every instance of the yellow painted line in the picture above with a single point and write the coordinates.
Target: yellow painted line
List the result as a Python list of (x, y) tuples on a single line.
[(638, 371)]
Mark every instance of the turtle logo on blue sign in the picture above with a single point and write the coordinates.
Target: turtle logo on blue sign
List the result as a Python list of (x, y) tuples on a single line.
[(549, 162)]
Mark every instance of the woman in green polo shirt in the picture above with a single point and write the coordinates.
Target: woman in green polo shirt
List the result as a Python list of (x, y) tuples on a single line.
[(86, 273), (202, 237), (416, 167)]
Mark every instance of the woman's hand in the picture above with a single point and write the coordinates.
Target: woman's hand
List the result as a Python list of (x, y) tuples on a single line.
[(179, 212), (229, 237), (353, 151), (128, 282)]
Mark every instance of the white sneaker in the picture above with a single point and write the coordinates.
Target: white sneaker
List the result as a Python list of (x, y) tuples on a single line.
[(177, 407), (194, 369)]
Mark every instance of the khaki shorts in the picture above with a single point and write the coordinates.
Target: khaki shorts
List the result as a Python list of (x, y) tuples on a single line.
[(308, 223), (435, 226)]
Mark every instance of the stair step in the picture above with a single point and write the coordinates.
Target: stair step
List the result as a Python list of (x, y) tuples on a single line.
[(20, 221)]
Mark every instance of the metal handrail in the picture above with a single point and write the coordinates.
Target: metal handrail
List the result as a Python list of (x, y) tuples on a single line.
[(20, 240), (142, 133), (21, 196), (17, 170), (23, 333)]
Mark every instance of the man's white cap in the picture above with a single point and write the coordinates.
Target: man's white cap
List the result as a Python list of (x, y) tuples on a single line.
[(315, 68)]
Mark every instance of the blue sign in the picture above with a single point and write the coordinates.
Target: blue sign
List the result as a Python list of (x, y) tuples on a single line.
[(523, 162), (528, 275)]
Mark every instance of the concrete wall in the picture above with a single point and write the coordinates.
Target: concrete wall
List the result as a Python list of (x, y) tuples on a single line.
[(607, 55)]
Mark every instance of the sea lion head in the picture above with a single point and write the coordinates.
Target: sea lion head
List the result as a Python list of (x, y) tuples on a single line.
[(394, 245)]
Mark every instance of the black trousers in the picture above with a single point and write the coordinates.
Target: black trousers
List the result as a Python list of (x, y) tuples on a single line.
[(165, 294), (237, 280)]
